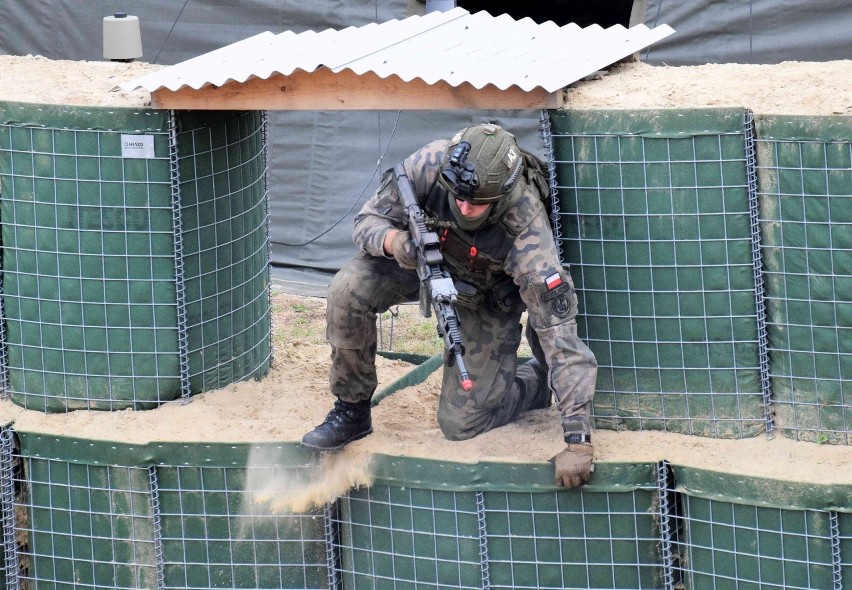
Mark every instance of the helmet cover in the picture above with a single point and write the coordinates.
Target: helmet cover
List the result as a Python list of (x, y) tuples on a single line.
[(482, 163)]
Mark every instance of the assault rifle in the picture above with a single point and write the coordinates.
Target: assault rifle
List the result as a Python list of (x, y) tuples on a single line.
[(437, 290)]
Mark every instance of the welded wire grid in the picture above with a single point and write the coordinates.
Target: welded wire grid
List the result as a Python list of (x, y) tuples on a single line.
[(576, 540), (225, 249), (224, 527), (759, 282), (117, 527), (88, 277), (7, 509), (193, 527), (734, 546), (132, 281), (658, 234), (842, 549), (84, 525), (180, 279), (395, 537), (806, 218)]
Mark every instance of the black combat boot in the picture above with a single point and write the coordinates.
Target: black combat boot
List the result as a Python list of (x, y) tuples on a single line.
[(345, 422)]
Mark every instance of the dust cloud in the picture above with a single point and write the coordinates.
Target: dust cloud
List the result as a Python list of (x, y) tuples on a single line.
[(308, 487)]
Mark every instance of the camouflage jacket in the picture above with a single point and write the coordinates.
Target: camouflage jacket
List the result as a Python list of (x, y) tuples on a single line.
[(515, 255)]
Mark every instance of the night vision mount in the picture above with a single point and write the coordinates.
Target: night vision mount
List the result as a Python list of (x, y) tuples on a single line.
[(460, 174)]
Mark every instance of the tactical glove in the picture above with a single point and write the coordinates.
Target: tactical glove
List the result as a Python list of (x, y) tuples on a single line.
[(573, 466), (403, 250)]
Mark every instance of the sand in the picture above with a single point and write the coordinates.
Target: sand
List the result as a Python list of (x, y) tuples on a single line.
[(791, 88)]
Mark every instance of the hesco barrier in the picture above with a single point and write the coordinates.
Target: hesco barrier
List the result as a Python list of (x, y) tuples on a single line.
[(102, 514), (110, 515), (805, 193), (656, 225), (135, 254), (711, 251)]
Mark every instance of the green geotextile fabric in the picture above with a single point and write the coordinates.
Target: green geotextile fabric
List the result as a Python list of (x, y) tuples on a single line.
[(822, 129), (804, 167), (758, 491), (425, 367), (91, 298), (655, 224), (387, 469), (88, 258), (225, 246), (122, 119), (661, 123), (445, 475)]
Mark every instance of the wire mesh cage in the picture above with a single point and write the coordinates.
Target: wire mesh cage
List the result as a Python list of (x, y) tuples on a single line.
[(742, 532), (106, 514), (102, 514), (135, 255), (656, 226), (98, 516), (805, 195)]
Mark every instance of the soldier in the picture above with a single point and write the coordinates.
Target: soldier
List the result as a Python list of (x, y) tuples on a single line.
[(488, 208)]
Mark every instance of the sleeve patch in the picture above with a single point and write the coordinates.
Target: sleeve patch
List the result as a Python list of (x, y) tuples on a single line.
[(553, 281)]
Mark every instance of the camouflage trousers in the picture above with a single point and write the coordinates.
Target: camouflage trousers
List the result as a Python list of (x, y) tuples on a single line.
[(367, 286)]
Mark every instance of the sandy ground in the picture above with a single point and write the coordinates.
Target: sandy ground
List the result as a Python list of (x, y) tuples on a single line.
[(792, 88), (294, 397)]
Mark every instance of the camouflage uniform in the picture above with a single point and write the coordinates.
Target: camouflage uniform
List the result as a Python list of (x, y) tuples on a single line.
[(508, 264)]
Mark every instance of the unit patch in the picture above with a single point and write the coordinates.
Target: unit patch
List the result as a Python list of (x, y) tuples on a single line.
[(558, 294)]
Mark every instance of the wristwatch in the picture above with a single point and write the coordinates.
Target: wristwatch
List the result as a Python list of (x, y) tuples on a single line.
[(578, 438)]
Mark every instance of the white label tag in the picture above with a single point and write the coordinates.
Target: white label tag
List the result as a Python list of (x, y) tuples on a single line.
[(137, 146)]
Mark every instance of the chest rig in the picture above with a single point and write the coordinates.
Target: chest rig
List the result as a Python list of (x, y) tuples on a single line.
[(475, 256)]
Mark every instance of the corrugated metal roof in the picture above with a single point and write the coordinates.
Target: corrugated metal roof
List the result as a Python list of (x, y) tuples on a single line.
[(454, 46)]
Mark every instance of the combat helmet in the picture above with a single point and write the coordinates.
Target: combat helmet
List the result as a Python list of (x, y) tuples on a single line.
[(482, 164)]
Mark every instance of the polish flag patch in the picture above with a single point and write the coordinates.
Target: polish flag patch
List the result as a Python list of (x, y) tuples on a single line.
[(553, 281)]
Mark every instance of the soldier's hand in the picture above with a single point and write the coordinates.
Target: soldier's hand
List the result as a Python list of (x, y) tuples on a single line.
[(573, 466), (403, 250)]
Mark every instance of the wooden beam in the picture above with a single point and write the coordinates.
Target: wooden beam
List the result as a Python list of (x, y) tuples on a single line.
[(322, 89)]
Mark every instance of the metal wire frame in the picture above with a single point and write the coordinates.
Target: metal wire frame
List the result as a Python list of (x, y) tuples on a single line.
[(645, 358), (97, 275), (401, 538), (398, 537), (70, 168), (759, 286), (102, 526), (483, 540), (180, 283), (666, 508), (224, 170), (157, 527), (331, 530), (805, 204), (727, 545), (555, 217), (264, 135), (4, 352), (7, 509), (836, 552), (219, 532), (91, 526)]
